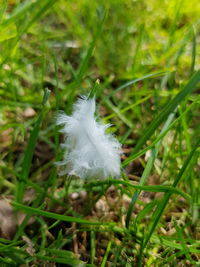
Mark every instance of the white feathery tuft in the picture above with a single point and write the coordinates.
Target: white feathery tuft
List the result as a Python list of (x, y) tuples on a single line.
[(89, 151)]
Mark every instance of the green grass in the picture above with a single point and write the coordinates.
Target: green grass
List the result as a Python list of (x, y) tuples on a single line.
[(142, 60)]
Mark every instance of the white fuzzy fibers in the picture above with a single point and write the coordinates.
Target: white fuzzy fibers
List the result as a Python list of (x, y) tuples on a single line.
[(89, 151)]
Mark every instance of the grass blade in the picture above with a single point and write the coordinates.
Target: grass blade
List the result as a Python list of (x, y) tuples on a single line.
[(148, 188), (148, 169), (85, 62), (188, 89), (194, 42), (151, 75), (28, 155), (133, 156), (160, 209), (103, 264), (35, 211)]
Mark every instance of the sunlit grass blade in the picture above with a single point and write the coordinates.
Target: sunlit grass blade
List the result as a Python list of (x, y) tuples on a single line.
[(162, 240), (134, 156), (18, 12), (103, 264), (193, 54), (3, 8), (85, 62), (63, 256), (119, 113), (151, 75), (37, 9), (170, 107), (130, 107)]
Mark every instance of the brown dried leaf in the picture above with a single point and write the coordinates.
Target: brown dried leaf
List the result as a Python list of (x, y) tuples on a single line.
[(7, 220)]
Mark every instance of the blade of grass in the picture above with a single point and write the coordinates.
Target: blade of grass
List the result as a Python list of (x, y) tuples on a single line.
[(160, 209), (183, 243), (6, 247), (133, 155), (36, 211), (93, 246), (148, 168), (161, 240), (148, 207), (103, 264), (28, 155), (170, 107), (65, 261), (18, 12), (66, 255), (3, 9), (85, 62), (84, 65), (148, 188), (129, 107), (139, 261), (151, 75), (119, 113), (7, 261), (193, 55), (138, 47), (37, 9), (42, 8), (173, 26)]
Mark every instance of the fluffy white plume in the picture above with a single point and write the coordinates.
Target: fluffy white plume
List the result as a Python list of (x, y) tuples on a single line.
[(89, 151)]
